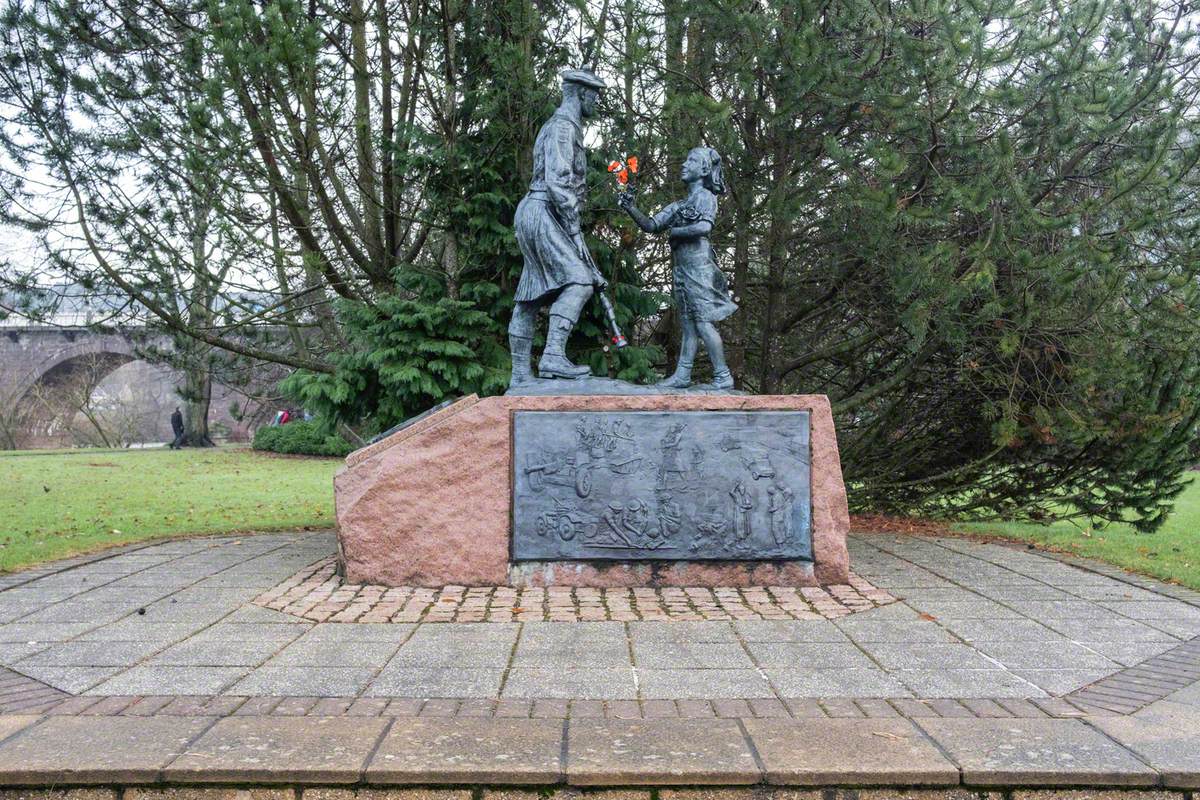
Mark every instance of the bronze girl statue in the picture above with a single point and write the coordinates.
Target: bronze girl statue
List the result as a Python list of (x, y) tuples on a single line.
[(699, 289)]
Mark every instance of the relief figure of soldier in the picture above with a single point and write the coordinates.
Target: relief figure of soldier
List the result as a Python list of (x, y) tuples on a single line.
[(558, 270), (699, 290)]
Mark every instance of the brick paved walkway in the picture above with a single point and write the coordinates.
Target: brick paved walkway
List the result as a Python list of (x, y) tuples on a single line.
[(931, 627), (316, 593), (949, 663)]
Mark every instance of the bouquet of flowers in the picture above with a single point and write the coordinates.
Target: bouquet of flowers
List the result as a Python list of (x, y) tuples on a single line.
[(626, 173)]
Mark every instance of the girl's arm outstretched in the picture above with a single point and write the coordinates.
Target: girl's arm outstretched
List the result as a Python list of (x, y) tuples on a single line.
[(649, 224)]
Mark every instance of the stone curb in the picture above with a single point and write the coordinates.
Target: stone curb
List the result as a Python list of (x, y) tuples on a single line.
[(310, 751), (800, 708)]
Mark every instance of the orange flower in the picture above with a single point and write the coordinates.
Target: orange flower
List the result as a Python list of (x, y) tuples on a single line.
[(615, 165), (623, 177), (633, 164)]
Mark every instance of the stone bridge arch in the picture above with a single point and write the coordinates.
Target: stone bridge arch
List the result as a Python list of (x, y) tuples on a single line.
[(109, 350), (50, 372), (36, 360)]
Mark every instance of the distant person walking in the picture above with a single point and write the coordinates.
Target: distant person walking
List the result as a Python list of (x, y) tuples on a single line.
[(177, 428)]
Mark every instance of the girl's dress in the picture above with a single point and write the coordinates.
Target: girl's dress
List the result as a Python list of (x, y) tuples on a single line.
[(699, 289)]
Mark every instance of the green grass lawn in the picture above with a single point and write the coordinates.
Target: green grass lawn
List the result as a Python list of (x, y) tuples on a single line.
[(1172, 553), (61, 503), (58, 504)]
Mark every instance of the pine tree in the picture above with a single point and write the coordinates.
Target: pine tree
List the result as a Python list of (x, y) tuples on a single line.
[(969, 223)]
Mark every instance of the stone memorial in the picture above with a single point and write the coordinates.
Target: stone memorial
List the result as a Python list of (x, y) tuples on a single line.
[(582, 480)]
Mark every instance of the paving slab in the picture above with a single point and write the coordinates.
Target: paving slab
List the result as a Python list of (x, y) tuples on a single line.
[(358, 632), (700, 684), (94, 654), (161, 679), (1166, 736), (927, 655), (90, 750), (279, 750), (1189, 696), (545, 652), (1055, 654), (302, 681), (1177, 628), (1038, 752), (551, 634), (364, 653), (690, 655), (258, 614), (1128, 631), (469, 750), (780, 630), (1026, 630), (43, 631), (612, 752), (967, 683), (10, 724), (882, 630), (466, 632), (251, 632), (423, 682), (809, 655), (835, 683), (217, 654), (12, 652), (80, 610), (134, 629), (448, 651), (69, 679), (1058, 682), (681, 631), (830, 752), (570, 684)]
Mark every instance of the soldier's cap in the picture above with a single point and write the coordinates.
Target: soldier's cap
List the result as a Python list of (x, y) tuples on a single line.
[(584, 77)]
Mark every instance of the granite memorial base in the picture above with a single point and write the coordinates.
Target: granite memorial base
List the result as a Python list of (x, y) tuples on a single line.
[(600, 490)]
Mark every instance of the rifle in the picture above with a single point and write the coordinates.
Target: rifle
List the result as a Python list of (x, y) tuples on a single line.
[(610, 314)]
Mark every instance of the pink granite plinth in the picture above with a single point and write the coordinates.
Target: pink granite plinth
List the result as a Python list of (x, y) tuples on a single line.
[(429, 505)]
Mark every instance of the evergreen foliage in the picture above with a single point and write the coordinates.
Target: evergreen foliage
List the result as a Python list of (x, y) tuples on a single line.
[(969, 223), (405, 355), (302, 437)]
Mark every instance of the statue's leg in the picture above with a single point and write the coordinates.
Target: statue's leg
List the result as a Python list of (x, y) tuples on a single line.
[(520, 341), (564, 313), (722, 378), (682, 377)]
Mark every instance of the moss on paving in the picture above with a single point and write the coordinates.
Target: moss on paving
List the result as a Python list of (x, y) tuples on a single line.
[(57, 504)]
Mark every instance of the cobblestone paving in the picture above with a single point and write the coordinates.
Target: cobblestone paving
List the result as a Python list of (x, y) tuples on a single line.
[(976, 630), (316, 593)]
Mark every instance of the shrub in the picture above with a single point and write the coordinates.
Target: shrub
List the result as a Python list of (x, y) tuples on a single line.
[(310, 438)]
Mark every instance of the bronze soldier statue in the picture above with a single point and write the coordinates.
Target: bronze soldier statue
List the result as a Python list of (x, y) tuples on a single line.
[(558, 269)]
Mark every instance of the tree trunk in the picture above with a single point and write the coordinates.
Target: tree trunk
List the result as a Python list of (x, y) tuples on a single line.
[(197, 397)]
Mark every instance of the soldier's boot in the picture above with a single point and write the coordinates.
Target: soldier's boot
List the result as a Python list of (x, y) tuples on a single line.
[(722, 379), (681, 378), (554, 362), (521, 348)]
